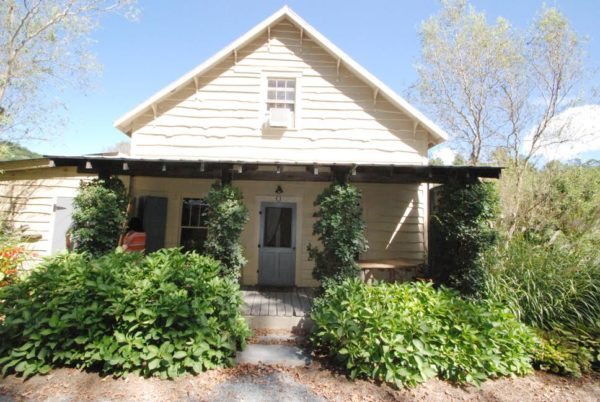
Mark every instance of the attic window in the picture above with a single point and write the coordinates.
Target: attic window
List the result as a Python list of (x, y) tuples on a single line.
[(281, 94), (281, 102)]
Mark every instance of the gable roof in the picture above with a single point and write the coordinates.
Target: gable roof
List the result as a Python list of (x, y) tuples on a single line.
[(124, 122)]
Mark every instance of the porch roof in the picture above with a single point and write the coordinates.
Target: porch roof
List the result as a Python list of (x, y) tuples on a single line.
[(104, 165)]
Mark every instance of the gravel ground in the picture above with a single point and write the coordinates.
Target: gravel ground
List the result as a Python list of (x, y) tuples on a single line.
[(258, 383)]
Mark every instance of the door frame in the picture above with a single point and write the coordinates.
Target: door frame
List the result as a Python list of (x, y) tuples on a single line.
[(261, 233), (53, 233)]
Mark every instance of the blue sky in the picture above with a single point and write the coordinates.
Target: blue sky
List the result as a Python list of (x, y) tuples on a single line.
[(172, 37)]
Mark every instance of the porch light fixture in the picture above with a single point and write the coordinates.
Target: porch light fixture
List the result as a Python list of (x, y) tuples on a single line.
[(278, 169), (164, 167), (238, 168), (353, 171), (202, 167), (88, 165), (278, 192), (125, 166), (316, 170)]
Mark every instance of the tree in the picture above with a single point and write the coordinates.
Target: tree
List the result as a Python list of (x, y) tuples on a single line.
[(492, 85), (9, 151), (100, 210), (44, 45), (341, 230), (225, 220)]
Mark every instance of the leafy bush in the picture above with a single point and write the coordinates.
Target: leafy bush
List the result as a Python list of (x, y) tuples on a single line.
[(161, 315), (407, 333), (340, 229), (226, 217), (99, 214), (461, 233), (566, 353), (12, 257), (555, 287)]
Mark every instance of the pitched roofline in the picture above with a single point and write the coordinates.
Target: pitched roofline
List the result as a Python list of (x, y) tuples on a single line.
[(437, 133)]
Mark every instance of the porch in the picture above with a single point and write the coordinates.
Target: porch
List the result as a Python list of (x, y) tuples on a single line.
[(278, 308)]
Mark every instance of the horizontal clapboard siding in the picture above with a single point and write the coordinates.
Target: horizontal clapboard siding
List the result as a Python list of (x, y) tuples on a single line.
[(337, 117), (27, 199)]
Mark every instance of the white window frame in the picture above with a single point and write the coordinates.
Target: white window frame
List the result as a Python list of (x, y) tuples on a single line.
[(285, 75)]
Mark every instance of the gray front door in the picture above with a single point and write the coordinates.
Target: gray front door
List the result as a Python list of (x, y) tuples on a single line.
[(63, 209), (277, 256)]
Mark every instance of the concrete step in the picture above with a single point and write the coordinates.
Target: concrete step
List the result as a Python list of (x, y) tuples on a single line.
[(281, 355), (291, 324)]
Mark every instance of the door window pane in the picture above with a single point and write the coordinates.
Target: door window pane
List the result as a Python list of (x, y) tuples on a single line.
[(278, 227)]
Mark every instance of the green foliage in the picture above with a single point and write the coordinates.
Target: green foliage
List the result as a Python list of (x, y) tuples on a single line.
[(555, 287), (226, 217), (340, 229), (407, 333), (10, 151), (461, 232), (161, 315), (567, 353), (12, 257), (99, 213)]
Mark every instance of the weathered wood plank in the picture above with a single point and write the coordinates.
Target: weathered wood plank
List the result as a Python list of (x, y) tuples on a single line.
[(296, 304), (279, 303), (289, 310)]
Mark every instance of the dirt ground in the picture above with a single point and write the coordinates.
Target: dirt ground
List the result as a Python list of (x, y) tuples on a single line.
[(258, 383)]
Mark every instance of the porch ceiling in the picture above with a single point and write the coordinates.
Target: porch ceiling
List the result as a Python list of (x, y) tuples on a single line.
[(237, 170)]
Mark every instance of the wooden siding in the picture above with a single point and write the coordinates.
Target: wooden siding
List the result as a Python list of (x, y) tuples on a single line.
[(27, 199), (337, 117)]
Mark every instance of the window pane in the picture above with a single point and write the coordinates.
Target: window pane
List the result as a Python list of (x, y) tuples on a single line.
[(289, 96), (271, 95), (280, 95), (203, 211), (280, 84), (195, 215), (278, 227), (185, 213), (271, 83), (291, 84), (193, 239)]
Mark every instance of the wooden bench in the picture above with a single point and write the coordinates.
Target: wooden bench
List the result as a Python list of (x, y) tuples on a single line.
[(387, 265)]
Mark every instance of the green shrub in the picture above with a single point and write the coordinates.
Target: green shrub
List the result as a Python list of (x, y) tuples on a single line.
[(566, 353), (100, 209), (340, 229), (554, 287), (547, 285), (226, 217), (407, 333), (461, 233), (161, 315)]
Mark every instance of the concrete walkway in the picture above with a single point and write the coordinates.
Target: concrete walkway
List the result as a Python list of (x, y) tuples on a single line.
[(267, 388), (280, 355)]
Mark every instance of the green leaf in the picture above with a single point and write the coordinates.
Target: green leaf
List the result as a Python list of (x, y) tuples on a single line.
[(179, 354)]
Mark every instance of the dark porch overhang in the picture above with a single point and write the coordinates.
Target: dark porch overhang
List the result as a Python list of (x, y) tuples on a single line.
[(240, 170)]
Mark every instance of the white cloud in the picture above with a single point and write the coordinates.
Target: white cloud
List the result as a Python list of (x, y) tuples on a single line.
[(445, 154), (579, 125)]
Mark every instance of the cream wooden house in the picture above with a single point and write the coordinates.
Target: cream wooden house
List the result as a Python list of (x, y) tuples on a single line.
[(279, 112)]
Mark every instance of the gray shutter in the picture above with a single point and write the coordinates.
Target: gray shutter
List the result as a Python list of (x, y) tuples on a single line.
[(153, 212)]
